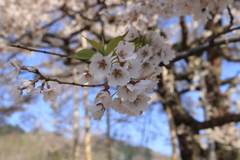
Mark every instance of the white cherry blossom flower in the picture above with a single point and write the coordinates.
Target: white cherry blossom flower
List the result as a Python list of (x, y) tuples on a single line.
[(14, 73), (27, 83), (105, 98), (132, 34), (144, 53), (147, 68), (167, 54), (52, 91), (126, 94), (119, 76), (125, 51), (85, 75), (15, 91), (117, 106), (100, 66), (97, 111), (139, 104), (133, 68)]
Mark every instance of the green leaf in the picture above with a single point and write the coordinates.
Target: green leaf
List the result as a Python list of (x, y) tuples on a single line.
[(83, 54), (113, 43), (95, 44), (102, 50)]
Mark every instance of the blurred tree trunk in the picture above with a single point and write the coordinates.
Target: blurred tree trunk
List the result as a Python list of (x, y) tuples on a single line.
[(76, 146), (109, 153), (173, 133), (87, 139)]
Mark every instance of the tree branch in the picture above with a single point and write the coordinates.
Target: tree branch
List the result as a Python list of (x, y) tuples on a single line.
[(46, 52), (201, 48)]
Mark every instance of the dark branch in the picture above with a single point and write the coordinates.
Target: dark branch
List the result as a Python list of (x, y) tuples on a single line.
[(206, 46)]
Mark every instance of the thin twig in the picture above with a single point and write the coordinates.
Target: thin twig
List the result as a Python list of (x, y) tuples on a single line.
[(46, 52), (41, 77), (35, 50)]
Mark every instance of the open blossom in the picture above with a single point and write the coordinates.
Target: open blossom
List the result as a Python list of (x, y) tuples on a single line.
[(52, 91), (119, 76), (125, 51), (97, 111), (27, 83), (105, 98), (117, 106), (14, 73), (133, 68), (167, 54), (16, 92), (126, 94), (139, 104), (132, 34), (144, 53), (100, 66), (85, 75)]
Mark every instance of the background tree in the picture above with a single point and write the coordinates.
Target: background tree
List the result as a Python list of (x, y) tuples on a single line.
[(199, 88)]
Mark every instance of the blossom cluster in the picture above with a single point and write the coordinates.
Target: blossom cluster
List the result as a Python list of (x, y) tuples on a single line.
[(50, 89), (133, 68), (142, 11), (129, 62)]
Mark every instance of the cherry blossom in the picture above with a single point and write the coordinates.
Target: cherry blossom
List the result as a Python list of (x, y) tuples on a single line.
[(132, 34), (29, 85), (85, 75), (100, 66), (52, 92), (105, 98), (119, 76), (139, 104), (15, 91), (97, 111), (125, 51), (14, 73)]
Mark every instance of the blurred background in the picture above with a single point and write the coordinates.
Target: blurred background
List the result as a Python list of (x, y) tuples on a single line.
[(194, 111)]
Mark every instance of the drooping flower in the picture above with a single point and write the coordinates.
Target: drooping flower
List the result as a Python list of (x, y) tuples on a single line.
[(126, 94), (52, 91), (100, 66), (97, 111), (85, 75), (105, 98), (14, 73), (117, 106), (139, 104), (27, 83), (16, 92)]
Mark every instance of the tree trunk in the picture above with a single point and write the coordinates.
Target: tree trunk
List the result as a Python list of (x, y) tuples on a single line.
[(76, 147)]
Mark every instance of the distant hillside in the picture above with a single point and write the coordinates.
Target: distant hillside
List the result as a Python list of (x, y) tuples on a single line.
[(41, 145)]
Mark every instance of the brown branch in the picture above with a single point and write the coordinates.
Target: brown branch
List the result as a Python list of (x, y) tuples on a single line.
[(41, 77), (218, 121), (46, 52), (184, 33), (206, 46), (35, 50)]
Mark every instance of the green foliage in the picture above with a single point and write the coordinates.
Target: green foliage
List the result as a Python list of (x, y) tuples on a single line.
[(95, 44), (83, 54), (113, 43)]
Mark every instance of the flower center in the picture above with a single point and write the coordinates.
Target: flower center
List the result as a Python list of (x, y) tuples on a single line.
[(102, 64)]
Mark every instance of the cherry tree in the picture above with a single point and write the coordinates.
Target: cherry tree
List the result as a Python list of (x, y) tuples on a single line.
[(131, 57)]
